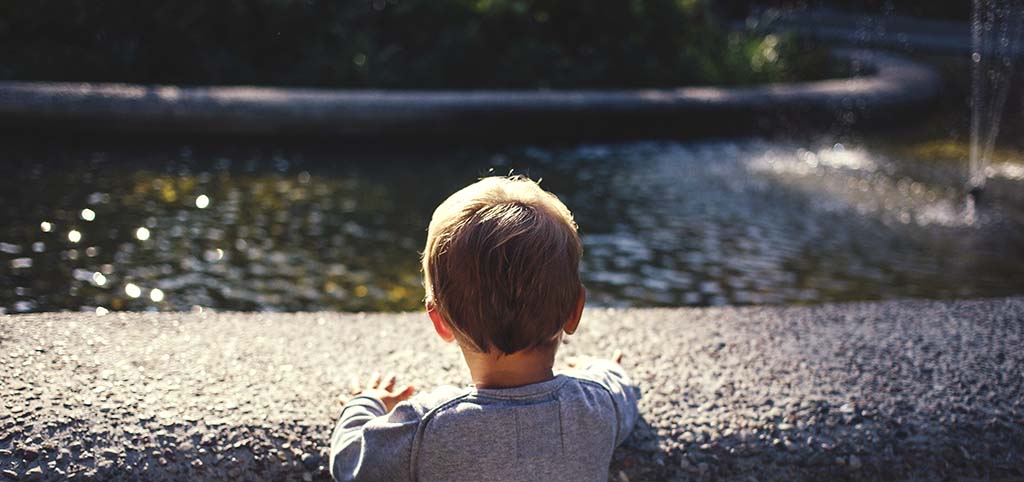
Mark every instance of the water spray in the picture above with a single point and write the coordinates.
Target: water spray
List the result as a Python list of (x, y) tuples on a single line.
[(996, 27)]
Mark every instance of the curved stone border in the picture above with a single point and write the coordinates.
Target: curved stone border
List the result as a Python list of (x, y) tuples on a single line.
[(896, 86)]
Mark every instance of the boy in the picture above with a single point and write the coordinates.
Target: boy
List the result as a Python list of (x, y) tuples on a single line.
[(501, 272)]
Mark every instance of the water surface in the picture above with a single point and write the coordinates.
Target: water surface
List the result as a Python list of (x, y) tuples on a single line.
[(745, 221)]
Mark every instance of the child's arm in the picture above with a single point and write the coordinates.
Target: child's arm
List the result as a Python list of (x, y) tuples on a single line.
[(371, 444), (624, 394)]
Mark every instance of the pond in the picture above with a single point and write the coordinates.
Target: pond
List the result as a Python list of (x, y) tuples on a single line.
[(714, 222)]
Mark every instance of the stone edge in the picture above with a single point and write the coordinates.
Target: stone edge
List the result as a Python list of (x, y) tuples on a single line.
[(894, 87)]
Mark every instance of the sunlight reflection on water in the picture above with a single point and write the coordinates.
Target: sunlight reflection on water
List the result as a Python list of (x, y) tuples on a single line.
[(729, 222)]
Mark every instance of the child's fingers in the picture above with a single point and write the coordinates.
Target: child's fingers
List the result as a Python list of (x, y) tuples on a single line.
[(389, 382), (353, 386), (617, 356), (405, 393), (375, 380)]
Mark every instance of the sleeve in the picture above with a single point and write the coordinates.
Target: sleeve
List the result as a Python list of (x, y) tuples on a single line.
[(624, 394), (370, 444)]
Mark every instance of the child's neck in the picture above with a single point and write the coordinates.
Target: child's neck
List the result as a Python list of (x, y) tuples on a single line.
[(507, 371)]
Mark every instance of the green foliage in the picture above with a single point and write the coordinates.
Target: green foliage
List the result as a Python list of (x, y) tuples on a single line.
[(390, 43)]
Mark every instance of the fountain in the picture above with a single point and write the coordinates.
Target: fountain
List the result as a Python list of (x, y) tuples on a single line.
[(995, 32)]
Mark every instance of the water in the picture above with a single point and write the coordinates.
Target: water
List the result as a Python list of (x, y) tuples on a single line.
[(996, 27), (744, 221)]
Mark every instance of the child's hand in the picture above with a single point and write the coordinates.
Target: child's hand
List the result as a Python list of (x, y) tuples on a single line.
[(382, 390), (575, 361)]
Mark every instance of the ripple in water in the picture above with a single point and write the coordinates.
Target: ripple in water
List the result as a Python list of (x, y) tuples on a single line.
[(704, 223)]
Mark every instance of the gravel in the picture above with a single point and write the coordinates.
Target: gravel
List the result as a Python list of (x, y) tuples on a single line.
[(910, 390)]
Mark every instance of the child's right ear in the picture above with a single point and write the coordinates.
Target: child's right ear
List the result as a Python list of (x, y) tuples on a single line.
[(439, 325)]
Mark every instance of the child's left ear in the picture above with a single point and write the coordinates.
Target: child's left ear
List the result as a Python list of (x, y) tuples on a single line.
[(577, 314), (439, 325)]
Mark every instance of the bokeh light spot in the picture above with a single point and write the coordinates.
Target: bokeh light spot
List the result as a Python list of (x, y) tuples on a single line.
[(132, 290), (203, 201)]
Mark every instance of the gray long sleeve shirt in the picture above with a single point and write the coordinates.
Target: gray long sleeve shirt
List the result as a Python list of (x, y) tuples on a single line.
[(563, 429)]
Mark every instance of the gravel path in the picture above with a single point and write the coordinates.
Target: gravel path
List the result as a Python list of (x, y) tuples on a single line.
[(895, 390)]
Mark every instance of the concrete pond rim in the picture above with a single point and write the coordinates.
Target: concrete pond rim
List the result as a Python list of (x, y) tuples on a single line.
[(891, 88)]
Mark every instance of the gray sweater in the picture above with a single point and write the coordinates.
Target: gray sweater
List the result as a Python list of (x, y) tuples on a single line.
[(563, 429)]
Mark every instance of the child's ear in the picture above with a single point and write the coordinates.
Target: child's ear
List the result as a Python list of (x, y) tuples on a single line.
[(439, 325), (574, 322)]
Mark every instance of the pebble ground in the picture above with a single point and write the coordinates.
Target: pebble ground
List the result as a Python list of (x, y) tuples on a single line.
[(909, 390)]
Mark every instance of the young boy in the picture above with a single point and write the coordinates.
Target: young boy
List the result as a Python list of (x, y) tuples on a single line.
[(501, 272)]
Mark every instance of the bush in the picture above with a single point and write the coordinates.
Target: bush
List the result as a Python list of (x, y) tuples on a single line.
[(390, 43)]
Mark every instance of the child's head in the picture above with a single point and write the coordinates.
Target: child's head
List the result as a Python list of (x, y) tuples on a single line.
[(501, 265)]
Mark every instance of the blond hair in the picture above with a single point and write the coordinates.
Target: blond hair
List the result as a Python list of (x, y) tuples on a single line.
[(501, 264)]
